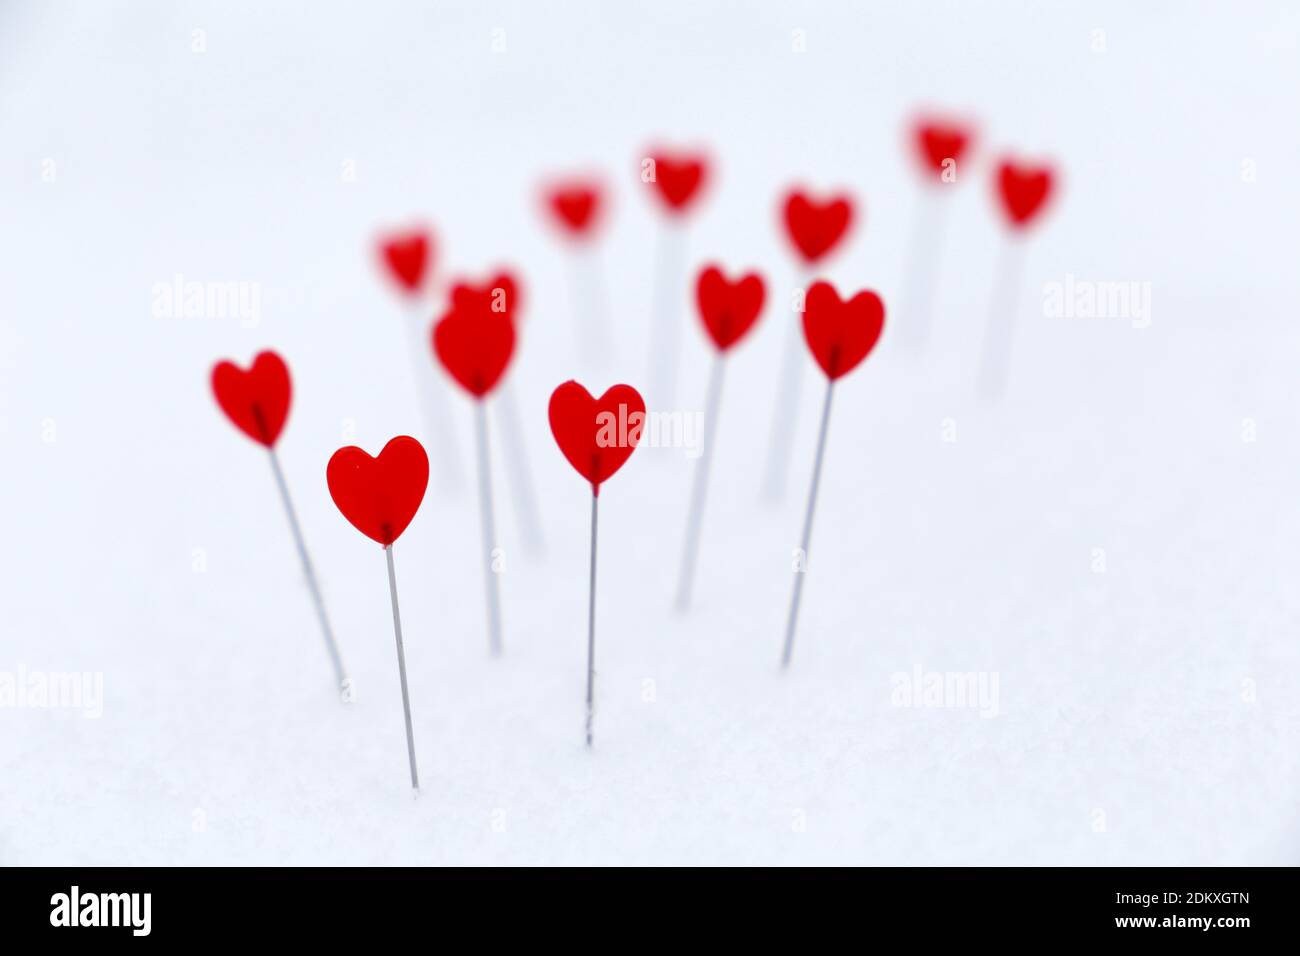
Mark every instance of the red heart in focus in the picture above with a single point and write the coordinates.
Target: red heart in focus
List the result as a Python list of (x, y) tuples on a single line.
[(576, 206), (381, 495), (841, 334), (1023, 190), (938, 141), (499, 295), (407, 257), (678, 178), (474, 344), (815, 227), (596, 434), (257, 401), (728, 309)]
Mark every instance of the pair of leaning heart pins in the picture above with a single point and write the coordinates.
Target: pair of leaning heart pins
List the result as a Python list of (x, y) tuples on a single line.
[(380, 495)]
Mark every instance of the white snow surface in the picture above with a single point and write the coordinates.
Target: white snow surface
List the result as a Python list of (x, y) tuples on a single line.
[(1149, 692)]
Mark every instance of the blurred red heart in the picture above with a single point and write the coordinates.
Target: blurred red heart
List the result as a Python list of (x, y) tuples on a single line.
[(677, 178), (257, 401), (938, 141), (841, 334), (728, 309), (381, 495), (1024, 190), (816, 227), (407, 257), (500, 295), (576, 206), (474, 342), (596, 434)]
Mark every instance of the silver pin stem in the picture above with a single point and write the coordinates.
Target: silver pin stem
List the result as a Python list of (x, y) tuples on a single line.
[(591, 624), (488, 522), (802, 571), (699, 488), (401, 669), (310, 572)]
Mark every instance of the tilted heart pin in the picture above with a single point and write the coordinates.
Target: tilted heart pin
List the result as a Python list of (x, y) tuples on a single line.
[(728, 309), (841, 334), (1024, 190), (257, 400), (407, 257)]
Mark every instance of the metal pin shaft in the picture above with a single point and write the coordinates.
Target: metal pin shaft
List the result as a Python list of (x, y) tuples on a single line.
[(401, 669), (310, 572), (802, 571)]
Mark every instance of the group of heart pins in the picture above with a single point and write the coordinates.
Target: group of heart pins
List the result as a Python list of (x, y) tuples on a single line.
[(474, 341)]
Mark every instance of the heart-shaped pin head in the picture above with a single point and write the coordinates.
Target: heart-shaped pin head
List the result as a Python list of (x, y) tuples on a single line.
[(576, 206), (475, 338), (596, 435), (939, 144), (841, 334), (678, 178), (815, 227), (257, 400), (501, 294), (728, 309), (406, 257), (379, 495), (1023, 190)]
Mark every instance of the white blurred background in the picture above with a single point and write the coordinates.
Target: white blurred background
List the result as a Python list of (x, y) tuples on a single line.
[(1118, 540)]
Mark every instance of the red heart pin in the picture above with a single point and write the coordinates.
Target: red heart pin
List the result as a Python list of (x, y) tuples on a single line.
[(815, 227), (596, 434), (575, 206), (474, 343), (678, 178), (257, 401), (938, 141), (728, 309), (380, 495), (407, 255), (499, 294), (841, 334), (1023, 190)]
